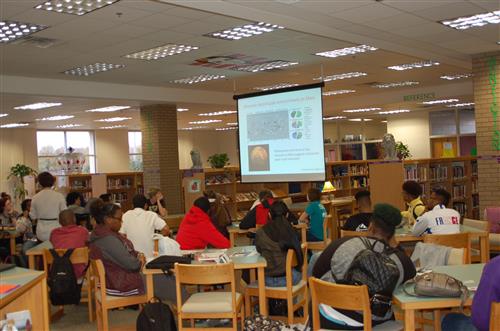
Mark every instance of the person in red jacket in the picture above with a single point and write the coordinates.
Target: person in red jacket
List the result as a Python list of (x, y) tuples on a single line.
[(197, 230)]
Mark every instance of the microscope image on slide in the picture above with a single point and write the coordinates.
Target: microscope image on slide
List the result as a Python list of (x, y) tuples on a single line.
[(258, 158)]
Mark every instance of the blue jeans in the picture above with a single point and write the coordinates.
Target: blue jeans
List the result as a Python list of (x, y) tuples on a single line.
[(457, 322), (281, 281)]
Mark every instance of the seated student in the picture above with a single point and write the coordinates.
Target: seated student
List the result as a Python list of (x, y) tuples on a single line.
[(157, 202), (218, 212), (411, 195), (70, 235), (7, 213), (361, 220), (139, 225), (24, 226), (74, 201), (273, 241), (439, 219), (487, 292), (315, 215), (259, 215), (197, 231), (263, 195), (335, 260)]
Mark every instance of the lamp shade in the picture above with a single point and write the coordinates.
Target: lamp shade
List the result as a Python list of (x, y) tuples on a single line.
[(328, 187)]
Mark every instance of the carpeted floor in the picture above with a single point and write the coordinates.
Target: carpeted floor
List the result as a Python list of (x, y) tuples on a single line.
[(76, 318)]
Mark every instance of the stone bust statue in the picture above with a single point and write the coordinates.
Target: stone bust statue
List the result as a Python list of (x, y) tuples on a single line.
[(196, 159), (389, 146)]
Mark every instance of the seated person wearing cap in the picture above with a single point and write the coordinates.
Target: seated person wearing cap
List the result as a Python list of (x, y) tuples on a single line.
[(335, 260), (411, 195), (361, 220), (439, 219)]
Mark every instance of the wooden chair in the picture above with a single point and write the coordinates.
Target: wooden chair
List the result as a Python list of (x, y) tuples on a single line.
[(347, 233), (104, 302), (288, 293), (79, 256), (208, 305), (321, 245), (346, 297), (495, 316), (457, 240)]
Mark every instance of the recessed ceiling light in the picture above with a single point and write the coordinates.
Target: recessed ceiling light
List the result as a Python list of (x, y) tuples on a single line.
[(329, 118), (414, 65), (197, 79), (226, 129), (39, 105), (438, 102), (464, 104), (193, 128), (56, 118), (396, 111), (232, 123), (467, 22), (92, 69), (270, 65), (112, 127), (347, 51), (161, 52), (329, 93), (68, 126), (395, 84), (75, 7), (3, 115), (275, 86), (13, 125), (361, 110), (457, 76), (180, 110), (12, 30), (244, 31), (108, 109), (205, 122), (218, 113), (360, 119), (345, 75), (114, 119)]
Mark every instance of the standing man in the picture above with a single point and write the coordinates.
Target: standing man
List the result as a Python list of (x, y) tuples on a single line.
[(157, 202)]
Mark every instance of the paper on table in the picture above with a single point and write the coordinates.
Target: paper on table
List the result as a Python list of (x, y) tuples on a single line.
[(6, 288)]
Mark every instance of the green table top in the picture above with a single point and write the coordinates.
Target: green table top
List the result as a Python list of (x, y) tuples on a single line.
[(17, 276)]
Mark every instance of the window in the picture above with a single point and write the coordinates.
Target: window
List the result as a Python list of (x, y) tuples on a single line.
[(51, 144), (135, 150)]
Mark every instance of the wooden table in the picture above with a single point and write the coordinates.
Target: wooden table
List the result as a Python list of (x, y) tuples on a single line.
[(11, 231), (30, 295), (470, 274), (37, 251), (235, 231), (240, 263)]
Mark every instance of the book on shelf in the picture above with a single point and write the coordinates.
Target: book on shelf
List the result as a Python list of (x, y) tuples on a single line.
[(119, 183), (217, 179), (413, 172), (461, 207), (458, 172), (474, 186), (458, 191), (339, 171), (439, 173), (246, 196), (338, 184), (359, 182), (77, 184), (359, 170)]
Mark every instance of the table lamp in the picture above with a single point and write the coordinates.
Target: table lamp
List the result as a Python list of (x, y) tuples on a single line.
[(328, 188)]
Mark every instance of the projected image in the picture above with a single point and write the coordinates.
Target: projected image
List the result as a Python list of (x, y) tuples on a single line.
[(268, 126), (297, 135), (296, 124), (296, 114), (258, 158)]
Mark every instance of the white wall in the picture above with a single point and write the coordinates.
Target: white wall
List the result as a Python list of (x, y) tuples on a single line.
[(111, 147), (412, 129)]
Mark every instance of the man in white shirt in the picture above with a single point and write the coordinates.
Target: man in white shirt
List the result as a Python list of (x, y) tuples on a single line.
[(439, 219), (139, 225)]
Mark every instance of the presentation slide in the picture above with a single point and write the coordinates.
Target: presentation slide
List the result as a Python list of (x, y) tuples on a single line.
[(281, 136)]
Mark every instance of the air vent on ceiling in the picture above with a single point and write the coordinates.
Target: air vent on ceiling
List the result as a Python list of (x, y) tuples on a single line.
[(39, 42)]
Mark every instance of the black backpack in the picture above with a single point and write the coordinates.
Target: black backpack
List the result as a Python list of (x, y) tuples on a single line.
[(64, 289), (156, 316), (378, 272)]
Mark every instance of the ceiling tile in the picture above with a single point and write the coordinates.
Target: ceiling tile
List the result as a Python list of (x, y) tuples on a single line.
[(166, 36), (118, 14), (76, 28), (129, 30), (188, 13), (196, 27), (43, 17), (148, 5), (160, 21), (489, 5), (366, 13), (415, 5), (322, 6), (8, 12), (398, 21), (450, 11)]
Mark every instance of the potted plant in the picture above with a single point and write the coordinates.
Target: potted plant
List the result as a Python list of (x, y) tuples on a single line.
[(402, 151), (218, 160), (19, 171)]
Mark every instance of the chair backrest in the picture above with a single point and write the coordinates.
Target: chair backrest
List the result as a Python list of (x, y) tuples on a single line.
[(292, 262), (478, 224), (327, 236), (347, 233), (338, 296), (457, 240), (79, 255), (495, 316), (99, 278)]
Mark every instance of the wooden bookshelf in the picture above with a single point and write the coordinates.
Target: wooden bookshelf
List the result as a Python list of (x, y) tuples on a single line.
[(123, 186), (82, 184)]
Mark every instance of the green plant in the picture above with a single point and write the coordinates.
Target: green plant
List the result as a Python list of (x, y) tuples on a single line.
[(218, 160), (19, 171), (402, 150)]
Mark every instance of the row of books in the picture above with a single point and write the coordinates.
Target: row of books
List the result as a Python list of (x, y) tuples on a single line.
[(217, 179), (338, 184), (246, 196), (438, 173), (474, 186), (458, 191), (340, 171), (415, 173), (458, 172), (119, 197), (359, 182), (359, 169), (119, 183), (461, 207), (81, 184), (474, 168)]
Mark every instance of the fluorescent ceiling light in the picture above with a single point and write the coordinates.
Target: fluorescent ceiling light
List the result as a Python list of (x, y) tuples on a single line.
[(396, 111), (56, 118), (244, 31), (114, 119), (12, 30), (414, 65), (108, 109), (92, 69), (333, 118), (205, 122), (275, 86), (39, 105), (68, 126), (438, 102), (467, 22), (345, 75), (465, 104), (226, 129), (232, 123), (395, 84), (270, 65), (361, 110), (193, 128), (13, 125), (197, 79), (75, 7), (360, 119), (161, 52), (347, 51), (3, 115), (329, 93), (457, 76), (112, 127), (218, 113), (180, 110)]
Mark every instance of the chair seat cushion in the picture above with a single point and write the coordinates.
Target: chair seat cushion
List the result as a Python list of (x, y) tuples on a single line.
[(210, 302), (387, 326), (255, 285)]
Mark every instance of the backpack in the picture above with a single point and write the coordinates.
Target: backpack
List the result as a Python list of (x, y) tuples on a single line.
[(156, 316), (64, 289), (377, 271)]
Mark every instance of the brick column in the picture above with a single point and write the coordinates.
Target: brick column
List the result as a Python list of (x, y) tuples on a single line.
[(486, 70), (161, 153)]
